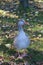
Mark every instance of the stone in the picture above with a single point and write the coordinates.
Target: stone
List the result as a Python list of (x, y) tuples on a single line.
[(26, 63)]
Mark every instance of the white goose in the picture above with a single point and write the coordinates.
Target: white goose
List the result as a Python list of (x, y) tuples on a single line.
[(21, 41)]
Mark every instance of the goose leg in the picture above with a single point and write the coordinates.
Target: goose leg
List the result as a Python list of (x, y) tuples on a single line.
[(19, 55), (24, 53)]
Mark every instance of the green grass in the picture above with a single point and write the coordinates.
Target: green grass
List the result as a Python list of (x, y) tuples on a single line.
[(35, 50)]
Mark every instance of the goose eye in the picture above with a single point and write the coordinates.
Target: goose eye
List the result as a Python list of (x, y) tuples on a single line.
[(21, 23)]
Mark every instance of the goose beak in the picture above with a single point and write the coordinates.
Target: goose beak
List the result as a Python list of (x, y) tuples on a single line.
[(27, 23)]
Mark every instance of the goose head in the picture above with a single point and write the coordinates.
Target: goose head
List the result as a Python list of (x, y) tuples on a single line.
[(21, 22)]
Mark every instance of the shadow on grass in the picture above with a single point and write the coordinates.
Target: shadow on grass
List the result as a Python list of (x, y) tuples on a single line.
[(35, 56)]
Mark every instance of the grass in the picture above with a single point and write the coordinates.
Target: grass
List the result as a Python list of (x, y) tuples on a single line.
[(35, 50)]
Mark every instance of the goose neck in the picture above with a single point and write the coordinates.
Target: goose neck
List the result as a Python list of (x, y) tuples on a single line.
[(20, 28)]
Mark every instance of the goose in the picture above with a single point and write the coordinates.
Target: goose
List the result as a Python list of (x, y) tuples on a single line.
[(21, 41)]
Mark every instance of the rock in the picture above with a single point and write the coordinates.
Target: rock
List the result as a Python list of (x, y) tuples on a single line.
[(29, 29), (36, 13), (32, 42), (26, 63), (31, 26), (8, 45), (37, 38), (0, 21), (34, 35), (39, 35), (27, 19), (41, 31)]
